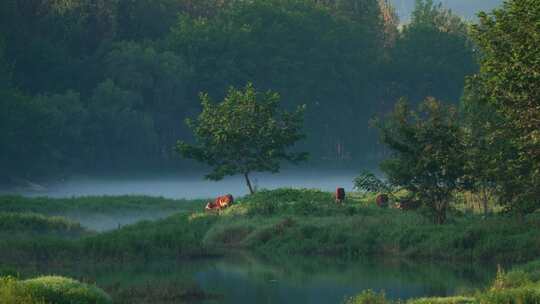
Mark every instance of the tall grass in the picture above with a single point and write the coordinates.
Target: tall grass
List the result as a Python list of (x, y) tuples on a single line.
[(15, 224), (92, 204), (519, 286)]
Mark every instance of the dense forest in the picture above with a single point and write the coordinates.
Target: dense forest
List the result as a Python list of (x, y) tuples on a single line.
[(95, 85)]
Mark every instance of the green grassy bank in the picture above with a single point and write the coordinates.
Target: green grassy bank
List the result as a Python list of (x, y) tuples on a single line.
[(519, 286), (50, 289), (93, 204), (289, 222)]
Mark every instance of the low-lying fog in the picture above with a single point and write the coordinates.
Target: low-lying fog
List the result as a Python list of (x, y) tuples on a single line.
[(192, 186)]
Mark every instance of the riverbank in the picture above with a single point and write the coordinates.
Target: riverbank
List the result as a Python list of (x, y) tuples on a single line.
[(284, 222), (520, 285)]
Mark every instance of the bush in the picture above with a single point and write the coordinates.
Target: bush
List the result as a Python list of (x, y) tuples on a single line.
[(451, 300), (60, 290), (368, 297), (523, 295), (12, 292)]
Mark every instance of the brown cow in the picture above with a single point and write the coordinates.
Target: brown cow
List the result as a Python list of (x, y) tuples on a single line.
[(340, 195), (382, 200), (220, 202)]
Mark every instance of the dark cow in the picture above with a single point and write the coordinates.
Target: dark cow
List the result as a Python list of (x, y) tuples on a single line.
[(340, 195), (408, 204), (382, 200), (221, 202)]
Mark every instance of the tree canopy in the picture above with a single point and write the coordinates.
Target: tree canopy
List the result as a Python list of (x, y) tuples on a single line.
[(148, 61), (245, 133), (504, 102)]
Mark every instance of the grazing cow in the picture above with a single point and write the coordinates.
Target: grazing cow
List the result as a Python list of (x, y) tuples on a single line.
[(340, 195), (408, 204), (221, 202), (382, 200)]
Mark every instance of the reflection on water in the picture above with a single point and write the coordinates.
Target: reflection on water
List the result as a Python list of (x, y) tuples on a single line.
[(330, 281), (191, 186), (246, 279)]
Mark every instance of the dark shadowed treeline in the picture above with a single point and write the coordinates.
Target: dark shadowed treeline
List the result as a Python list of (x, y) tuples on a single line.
[(105, 85)]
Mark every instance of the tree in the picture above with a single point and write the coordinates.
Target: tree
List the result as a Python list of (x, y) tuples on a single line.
[(310, 53), (508, 83), (245, 133), (432, 55), (427, 153)]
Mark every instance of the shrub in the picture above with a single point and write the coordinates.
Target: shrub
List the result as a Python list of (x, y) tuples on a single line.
[(513, 279), (451, 300), (523, 295), (12, 292), (368, 297), (60, 290)]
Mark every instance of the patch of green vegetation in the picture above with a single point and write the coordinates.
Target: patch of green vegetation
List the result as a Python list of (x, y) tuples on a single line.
[(308, 222), (93, 204), (368, 297), (50, 289), (15, 224), (13, 292), (60, 290), (176, 236), (449, 300), (519, 286), (303, 223)]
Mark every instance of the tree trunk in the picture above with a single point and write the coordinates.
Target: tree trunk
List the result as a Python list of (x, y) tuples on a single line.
[(248, 182), (440, 212), (485, 201)]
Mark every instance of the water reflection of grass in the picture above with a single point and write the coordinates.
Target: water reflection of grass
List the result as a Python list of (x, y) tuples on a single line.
[(170, 281), (397, 277)]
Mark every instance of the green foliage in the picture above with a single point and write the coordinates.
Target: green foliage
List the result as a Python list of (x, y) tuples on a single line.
[(273, 222), (513, 287), (144, 62), (432, 55), (92, 204), (368, 182), (507, 87), (13, 224), (522, 295), (314, 38), (51, 289), (60, 290), (449, 300), (174, 237), (12, 292), (368, 297), (245, 133), (427, 153)]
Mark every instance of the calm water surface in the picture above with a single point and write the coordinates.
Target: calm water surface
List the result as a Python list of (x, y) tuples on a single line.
[(247, 279)]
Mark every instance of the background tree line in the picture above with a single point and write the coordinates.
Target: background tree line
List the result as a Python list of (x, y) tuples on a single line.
[(88, 85)]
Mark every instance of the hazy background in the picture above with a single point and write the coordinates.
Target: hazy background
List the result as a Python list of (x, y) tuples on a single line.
[(467, 9), (102, 88)]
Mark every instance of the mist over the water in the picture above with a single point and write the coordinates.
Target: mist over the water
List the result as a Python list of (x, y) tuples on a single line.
[(193, 186)]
